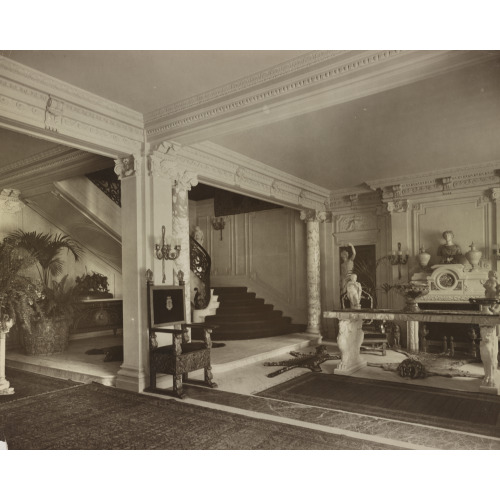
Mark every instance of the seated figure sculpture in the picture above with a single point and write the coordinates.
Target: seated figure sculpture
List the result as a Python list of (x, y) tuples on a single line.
[(354, 290), (491, 286), (450, 251)]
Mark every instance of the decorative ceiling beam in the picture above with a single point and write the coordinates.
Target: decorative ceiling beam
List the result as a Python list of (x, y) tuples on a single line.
[(220, 167), (49, 166), (31, 101)]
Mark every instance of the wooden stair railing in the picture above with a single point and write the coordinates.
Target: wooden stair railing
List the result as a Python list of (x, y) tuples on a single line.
[(200, 263)]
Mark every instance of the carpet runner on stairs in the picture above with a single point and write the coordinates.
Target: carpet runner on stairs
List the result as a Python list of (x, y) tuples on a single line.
[(241, 315)]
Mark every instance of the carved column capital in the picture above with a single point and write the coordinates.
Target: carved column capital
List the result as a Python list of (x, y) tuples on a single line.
[(397, 191), (494, 194), (164, 162), (311, 215), (397, 206), (10, 202), (125, 167)]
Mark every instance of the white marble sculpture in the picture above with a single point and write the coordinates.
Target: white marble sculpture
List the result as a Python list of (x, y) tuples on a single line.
[(354, 290)]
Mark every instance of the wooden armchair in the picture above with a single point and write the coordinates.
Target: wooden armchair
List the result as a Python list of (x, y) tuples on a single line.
[(166, 310)]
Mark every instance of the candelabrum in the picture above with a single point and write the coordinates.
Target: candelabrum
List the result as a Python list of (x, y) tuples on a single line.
[(397, 259), (219, 223), (166, 252)]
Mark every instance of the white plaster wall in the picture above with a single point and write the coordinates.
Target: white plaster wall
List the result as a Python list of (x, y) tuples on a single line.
[(264, 251), (28, 220)]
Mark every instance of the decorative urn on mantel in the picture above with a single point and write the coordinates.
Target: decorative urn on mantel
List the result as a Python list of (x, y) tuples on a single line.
[(423, 258), (473, 256)]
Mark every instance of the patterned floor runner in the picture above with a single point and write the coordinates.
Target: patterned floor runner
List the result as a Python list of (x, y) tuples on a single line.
[(463, 411)]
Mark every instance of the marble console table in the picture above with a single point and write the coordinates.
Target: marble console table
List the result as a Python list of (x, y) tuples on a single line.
[(351, 336)]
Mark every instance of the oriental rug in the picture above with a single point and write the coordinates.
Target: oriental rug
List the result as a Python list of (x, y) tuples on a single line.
[(27, 384), (97, 417), (456, 410)]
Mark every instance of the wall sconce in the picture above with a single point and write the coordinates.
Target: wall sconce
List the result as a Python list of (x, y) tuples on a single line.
[(496, 253), (165, 252), (219, 223), (397, 259)]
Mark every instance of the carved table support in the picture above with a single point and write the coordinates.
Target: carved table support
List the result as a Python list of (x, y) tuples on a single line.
[(351, 335), (4, 383), (349, 343), (488, 349)]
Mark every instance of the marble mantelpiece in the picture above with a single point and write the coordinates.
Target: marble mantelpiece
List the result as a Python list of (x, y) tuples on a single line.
[(351, 335)]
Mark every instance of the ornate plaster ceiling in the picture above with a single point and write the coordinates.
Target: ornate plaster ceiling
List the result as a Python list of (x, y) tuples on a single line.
[(447, 120)]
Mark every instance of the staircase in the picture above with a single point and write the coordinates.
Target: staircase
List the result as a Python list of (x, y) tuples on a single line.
[(241, 315)]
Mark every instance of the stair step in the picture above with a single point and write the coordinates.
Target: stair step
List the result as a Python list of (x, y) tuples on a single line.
[(245, 317), (224, 309), (226, 290), (221, 334), (235, 297)]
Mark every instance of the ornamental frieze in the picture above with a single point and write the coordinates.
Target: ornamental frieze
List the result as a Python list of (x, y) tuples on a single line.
[(356, 222)]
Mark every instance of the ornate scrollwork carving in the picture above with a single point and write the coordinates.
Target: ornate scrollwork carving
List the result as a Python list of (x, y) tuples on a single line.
[(9, 201), (124, 167)]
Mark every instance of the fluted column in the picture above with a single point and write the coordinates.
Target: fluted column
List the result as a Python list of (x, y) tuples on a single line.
[(312, 219)]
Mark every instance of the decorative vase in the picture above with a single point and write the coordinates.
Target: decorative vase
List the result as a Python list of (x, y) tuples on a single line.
[(473, 256), (423, 258), (411, 292)]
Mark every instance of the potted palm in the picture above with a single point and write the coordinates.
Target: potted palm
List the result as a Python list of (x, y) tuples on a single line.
[(44, 324), (14, 288)]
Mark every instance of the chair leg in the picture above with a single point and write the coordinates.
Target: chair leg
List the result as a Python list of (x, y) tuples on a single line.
[(178, 389), (209, 377), (152, 375)]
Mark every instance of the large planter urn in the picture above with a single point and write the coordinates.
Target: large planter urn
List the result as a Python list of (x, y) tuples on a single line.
[(473, 256), (45, 337)]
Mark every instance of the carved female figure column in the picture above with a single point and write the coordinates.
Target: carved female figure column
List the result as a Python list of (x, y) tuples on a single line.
[(313, 218)]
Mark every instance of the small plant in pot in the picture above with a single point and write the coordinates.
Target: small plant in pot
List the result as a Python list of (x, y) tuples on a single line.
[(45, 322), (92, 286)]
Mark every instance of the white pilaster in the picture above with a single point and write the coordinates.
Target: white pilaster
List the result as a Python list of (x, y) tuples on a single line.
[(146, 206)]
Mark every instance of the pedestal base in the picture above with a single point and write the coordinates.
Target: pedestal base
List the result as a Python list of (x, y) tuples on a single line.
[(489, 389), (350, 369), (5, 388)]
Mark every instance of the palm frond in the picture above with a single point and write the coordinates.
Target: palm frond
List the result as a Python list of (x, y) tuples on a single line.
[(45, 248)]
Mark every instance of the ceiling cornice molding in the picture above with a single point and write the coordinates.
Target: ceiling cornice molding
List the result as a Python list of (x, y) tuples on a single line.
[(53, 164), (249, 92), (477, 175), (226, 169), (33, 100), (336, 77), (278, 71)]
